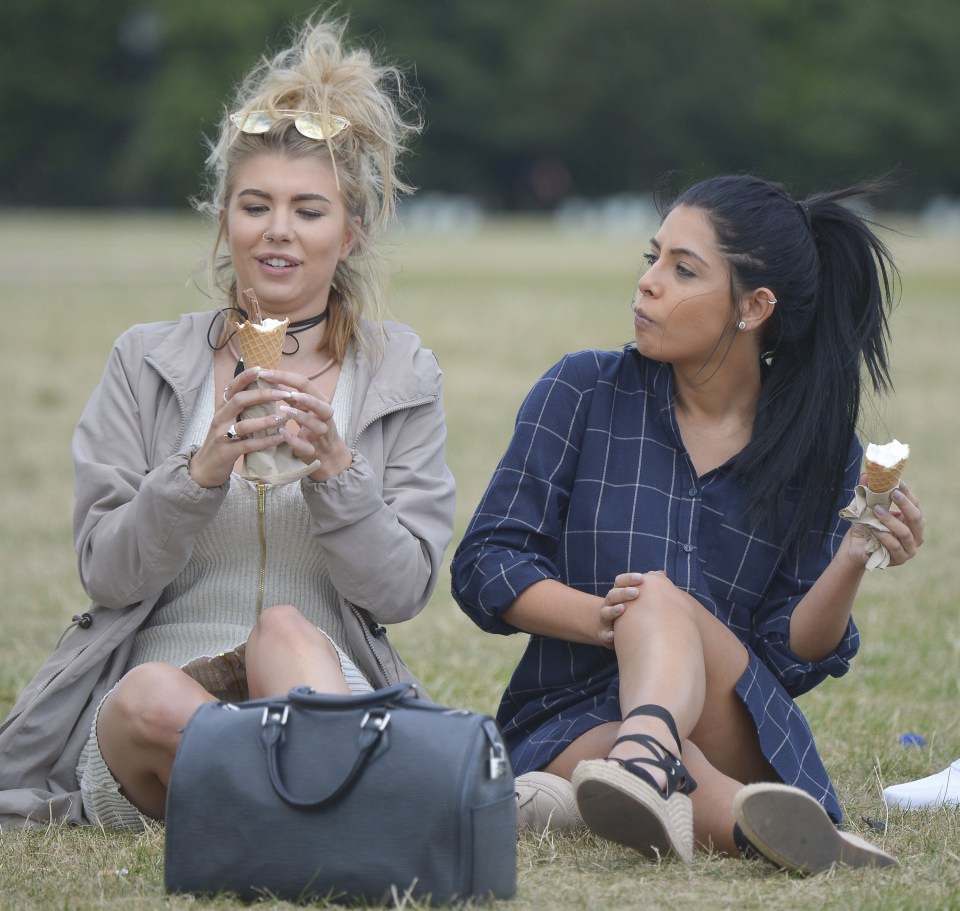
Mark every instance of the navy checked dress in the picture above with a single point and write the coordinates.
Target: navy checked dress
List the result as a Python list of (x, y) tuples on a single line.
[(596, 482)]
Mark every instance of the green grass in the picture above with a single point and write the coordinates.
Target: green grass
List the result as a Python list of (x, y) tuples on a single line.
[(498, 307)]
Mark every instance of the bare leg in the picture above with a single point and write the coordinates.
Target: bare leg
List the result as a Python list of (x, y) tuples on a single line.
[(141, 721), (712, 802), (139, 729), (672, 652), (285, 650)]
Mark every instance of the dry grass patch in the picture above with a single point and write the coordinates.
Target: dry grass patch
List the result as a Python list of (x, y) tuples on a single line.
[(498, 307)]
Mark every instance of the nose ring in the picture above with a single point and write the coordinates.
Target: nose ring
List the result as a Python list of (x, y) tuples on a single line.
[(267, 238)]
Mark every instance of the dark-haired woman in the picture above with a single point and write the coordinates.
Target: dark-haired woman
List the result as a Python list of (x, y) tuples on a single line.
[(664, 524)]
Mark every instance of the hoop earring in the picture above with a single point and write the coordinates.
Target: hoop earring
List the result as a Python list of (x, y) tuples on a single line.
[(741, 325)]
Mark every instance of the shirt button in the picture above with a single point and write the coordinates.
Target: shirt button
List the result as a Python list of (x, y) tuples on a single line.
[(688, 548), (692, 492)]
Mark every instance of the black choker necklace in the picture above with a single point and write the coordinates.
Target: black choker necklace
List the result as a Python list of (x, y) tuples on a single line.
[(301, 325), (293, 330)]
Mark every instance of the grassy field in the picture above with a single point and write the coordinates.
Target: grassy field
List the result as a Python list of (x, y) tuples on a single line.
[(498, 306)]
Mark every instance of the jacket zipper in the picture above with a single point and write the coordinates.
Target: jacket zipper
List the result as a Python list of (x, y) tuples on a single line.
[(42, 690), (177, 395), (416, 403), (369, 640), (261, 508)]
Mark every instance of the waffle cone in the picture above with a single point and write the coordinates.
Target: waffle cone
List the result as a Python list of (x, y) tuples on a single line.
[(881, 478), (259, 348)]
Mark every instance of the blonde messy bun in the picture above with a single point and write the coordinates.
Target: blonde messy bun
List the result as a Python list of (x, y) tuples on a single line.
[(318, 73)]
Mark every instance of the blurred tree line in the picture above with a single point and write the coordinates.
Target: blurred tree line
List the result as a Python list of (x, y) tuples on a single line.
[(106, 102)]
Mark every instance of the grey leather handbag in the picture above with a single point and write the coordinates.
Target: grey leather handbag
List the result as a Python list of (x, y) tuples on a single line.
[(355, 798)]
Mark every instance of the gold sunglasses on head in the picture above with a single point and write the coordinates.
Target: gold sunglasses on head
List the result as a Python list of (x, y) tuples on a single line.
[(308, 123)]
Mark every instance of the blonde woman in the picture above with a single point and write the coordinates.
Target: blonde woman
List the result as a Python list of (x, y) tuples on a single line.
[(208, 584)]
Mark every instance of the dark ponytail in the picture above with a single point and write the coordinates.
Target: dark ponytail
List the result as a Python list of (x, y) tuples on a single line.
[(833, 279)]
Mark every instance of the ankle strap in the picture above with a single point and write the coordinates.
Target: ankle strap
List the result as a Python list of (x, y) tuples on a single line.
[(658, 711)]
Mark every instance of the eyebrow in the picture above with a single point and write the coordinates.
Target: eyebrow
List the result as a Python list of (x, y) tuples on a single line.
[(300, 197), (680, 251)]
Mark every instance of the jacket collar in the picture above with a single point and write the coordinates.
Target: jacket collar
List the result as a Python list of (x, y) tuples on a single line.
[(393, 372), (181, 353)]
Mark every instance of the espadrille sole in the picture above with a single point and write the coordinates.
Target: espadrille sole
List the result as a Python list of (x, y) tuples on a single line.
[(617, 805), (788, 827)]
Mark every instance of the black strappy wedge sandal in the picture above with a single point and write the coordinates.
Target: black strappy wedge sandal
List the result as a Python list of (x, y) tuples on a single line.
[(624, 803)]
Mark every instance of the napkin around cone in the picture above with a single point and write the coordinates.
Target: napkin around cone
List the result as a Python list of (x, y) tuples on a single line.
[(860, 512), (278, 465)]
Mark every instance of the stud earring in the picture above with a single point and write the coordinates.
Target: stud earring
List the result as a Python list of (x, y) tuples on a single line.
[(741, 325)]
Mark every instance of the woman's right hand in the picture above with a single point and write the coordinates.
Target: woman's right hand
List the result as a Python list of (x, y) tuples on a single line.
[(214, 461), (625, 589)]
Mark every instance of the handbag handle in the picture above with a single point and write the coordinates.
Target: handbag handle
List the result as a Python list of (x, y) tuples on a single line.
[(389, 695), (372, 726)]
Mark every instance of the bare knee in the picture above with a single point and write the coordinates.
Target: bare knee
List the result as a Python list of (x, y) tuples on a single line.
[(278, 623), (282, 629), (286, 650), (280, 615), (660, 606), (151, 703)]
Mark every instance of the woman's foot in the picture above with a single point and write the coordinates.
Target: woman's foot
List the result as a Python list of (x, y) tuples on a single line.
[(625, 799), (545, 802), (789, 828)]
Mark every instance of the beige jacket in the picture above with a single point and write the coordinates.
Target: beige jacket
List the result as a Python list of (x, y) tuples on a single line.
[(138, 513)]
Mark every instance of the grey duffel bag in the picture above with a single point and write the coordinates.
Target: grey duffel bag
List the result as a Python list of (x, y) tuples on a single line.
[(342, 797)]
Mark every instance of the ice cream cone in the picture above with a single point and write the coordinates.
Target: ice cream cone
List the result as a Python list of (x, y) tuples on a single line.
[(261, 345), (881, 478), (884, 465)]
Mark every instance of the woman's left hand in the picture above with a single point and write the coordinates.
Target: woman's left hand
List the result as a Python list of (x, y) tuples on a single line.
[(904, 525), (312, 435)]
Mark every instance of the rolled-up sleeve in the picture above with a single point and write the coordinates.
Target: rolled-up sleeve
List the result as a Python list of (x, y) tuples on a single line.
[(513, 538), (770, 635)]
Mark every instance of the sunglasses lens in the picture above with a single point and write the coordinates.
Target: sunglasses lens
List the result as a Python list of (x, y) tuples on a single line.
[(311, 126), (254, 122)]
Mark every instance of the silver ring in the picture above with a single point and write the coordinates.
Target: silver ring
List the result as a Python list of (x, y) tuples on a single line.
[(225, 399), (232, 432)]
